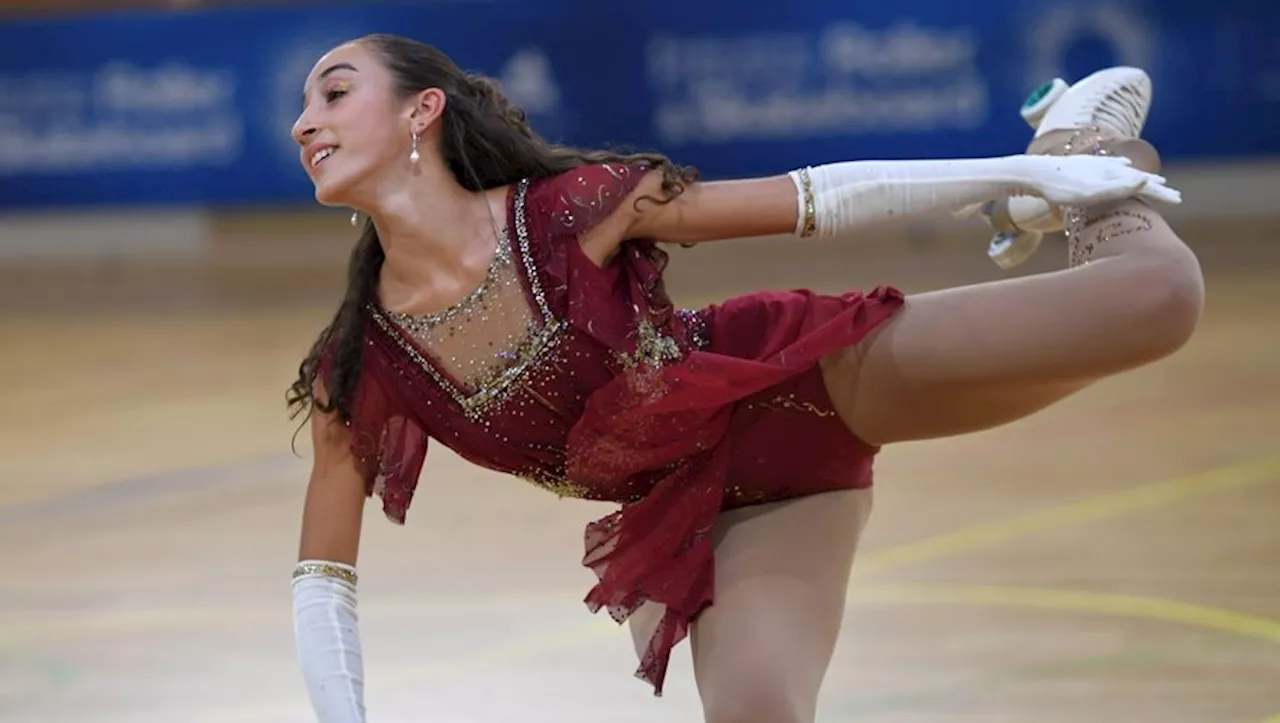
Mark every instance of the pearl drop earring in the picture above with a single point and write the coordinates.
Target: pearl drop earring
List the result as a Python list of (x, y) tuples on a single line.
[(414, 156), (355, 218)]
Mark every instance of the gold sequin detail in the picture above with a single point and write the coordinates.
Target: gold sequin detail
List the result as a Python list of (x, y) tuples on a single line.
[(324, 569), (788, 402), (653, 350), (557, 485)]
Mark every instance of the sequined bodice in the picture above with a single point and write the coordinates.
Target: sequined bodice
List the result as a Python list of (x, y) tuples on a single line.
[(509, 376), (478, 349)]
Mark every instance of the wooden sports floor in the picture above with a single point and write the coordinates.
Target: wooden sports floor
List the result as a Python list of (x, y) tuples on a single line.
[(1116, 558)]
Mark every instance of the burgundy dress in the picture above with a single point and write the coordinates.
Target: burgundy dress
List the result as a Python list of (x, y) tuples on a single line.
[(587, 382)]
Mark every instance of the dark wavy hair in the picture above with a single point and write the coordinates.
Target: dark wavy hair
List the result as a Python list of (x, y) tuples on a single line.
[(487, 143)]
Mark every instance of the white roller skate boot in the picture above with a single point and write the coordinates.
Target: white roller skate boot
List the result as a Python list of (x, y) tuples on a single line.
[(1105, 111)]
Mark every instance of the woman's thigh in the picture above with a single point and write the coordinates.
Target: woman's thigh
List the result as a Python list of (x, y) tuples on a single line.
[(761, 651)]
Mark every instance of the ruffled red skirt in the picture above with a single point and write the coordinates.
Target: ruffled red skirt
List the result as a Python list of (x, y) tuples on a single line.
[(695, 428)]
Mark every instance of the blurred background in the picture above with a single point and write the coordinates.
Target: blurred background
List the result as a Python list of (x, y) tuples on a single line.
[(164, 268)]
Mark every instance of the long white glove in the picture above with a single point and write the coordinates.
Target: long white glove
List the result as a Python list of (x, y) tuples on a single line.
[(328, 640), (840, 197)]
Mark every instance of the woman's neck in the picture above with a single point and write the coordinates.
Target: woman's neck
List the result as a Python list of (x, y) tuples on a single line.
[(439, 239)]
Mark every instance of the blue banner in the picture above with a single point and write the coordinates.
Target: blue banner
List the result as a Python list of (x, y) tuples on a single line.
[(195, 107)]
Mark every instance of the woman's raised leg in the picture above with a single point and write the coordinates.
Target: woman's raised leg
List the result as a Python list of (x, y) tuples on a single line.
[(970, 358)]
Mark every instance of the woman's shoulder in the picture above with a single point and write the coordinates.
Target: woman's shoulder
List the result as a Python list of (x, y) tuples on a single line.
[(578, 199)]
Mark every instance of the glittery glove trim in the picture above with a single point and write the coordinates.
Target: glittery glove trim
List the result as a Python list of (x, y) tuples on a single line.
[(807, 218), (323, 568)]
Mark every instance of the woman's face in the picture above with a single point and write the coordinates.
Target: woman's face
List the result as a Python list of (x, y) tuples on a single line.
[(353, 126)]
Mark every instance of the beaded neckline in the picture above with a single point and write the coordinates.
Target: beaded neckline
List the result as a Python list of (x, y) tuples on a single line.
[(513, 271), (421, 323)]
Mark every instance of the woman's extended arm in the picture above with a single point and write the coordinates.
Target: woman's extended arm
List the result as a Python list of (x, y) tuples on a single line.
[(841, 197), (324, 580)]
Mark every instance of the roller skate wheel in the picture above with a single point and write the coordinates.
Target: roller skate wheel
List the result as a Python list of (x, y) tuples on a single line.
[(1009, 250), (1041, 99)]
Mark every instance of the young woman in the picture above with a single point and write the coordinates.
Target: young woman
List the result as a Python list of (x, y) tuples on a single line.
[(506, 300)]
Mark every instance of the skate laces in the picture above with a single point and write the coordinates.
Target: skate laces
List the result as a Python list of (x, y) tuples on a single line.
[(1121, 111)]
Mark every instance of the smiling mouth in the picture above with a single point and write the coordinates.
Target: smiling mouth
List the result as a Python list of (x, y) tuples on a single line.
[(321, 155)]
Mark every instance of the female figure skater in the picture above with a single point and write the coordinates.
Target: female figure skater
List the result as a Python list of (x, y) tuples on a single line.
[(506, 300)]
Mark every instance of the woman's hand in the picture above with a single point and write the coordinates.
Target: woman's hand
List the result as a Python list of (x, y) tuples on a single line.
[(1087, 180)]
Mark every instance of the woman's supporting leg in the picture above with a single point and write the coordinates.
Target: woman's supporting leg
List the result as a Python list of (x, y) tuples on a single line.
[(782, 571)]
